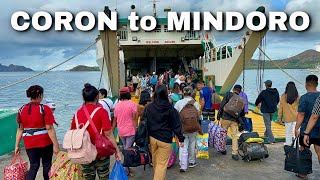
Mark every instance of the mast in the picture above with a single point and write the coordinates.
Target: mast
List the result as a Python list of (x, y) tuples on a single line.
[(154, 7)]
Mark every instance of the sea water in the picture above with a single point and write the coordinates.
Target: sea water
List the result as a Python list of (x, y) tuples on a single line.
[(64, 88)]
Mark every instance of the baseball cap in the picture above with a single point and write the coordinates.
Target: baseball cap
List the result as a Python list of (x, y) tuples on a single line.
[(124, 90), (268, 82), (51, 104), (237, 86), (188, 90)]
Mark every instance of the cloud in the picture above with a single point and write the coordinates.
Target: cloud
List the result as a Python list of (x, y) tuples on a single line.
[(311, 7), (40, 50)]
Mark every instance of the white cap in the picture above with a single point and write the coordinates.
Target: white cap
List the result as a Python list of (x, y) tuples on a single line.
[(51, 104)]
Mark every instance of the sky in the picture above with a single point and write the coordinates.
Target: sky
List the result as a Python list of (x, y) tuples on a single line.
[(42, 50)]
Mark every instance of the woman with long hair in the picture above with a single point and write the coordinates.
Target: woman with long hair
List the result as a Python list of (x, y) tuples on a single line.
[(102, 122), (162, 120), (176, 94), (288, 110), (145, 99), (35, 122)]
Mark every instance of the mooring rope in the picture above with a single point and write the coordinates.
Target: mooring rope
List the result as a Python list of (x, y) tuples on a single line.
[(43, 72), (280, 67)]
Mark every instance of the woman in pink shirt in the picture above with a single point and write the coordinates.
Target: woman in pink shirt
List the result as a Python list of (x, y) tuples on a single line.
[(126, 119)]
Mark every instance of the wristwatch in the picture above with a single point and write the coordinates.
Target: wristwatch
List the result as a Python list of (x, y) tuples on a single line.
[(307, 134)]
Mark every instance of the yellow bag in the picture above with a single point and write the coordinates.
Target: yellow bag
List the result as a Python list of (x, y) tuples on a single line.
[(254, 140), (63, 168), (202, 145)]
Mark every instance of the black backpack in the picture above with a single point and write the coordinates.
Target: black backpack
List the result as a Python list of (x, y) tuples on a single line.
[(142, 135)]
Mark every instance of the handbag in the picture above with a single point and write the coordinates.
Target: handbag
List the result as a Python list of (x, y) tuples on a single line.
[(103, 145), (134, 157), (16, 170), (298, 161)]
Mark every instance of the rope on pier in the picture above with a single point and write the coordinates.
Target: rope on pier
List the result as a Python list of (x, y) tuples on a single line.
[(43, 72)]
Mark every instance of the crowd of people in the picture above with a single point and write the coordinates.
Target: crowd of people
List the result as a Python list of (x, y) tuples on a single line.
[(164, 100)]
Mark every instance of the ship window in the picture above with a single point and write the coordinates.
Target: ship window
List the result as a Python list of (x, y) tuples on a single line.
[(166, 28), (158, 28)]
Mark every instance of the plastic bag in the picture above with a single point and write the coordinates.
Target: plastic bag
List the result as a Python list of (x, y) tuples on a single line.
[(174, 152), (202, 144), (118, 172)]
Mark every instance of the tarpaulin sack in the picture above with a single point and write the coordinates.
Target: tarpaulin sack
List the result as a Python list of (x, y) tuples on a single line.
[(298, 161), (118, 172), (63, 168), (202, 144), (217, 136), (174, 152), (16, 170)]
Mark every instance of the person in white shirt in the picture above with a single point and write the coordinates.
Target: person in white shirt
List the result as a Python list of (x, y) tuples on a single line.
[(135, 82), (190, 138), (106, 103)]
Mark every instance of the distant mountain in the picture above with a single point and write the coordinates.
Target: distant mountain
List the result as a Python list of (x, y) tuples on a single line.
[(84, 68), (13, 68), (306, 60)]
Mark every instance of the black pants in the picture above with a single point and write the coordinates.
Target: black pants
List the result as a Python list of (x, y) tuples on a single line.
[(35, 154), (135, 85)]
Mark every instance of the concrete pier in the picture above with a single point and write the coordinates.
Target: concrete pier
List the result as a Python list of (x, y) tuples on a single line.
[(217, 167)]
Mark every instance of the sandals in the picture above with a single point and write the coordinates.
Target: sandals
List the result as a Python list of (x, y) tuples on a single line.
[(301, 176)]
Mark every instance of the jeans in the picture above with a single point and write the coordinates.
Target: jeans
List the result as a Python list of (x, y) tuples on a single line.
[(289, 132), (190, 143), (267, 117), (160, 156), (34, 155), (234, 127)]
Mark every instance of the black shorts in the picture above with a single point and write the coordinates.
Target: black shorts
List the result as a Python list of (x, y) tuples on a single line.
[(315, 141)]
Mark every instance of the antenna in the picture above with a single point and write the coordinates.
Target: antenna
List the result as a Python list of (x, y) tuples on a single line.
[(154, 2)]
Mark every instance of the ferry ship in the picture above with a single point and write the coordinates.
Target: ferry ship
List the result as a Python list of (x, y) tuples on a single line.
[(220, 65), (125, 52)]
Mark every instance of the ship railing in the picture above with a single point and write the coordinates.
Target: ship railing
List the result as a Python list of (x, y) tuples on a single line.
[(192, 35), (223, 51), (123, 35)]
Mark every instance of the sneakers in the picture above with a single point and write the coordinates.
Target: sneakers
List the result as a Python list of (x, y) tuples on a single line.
[(223, 152), (235, 157), (183, 170), (192, 165)]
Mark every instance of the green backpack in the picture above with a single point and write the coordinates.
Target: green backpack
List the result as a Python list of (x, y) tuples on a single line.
[(175, 98)]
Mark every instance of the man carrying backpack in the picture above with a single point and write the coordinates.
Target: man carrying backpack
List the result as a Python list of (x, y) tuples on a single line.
[(231, 109), (190, 114)]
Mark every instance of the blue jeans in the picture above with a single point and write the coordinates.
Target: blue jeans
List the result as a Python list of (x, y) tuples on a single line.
[(267, 117)]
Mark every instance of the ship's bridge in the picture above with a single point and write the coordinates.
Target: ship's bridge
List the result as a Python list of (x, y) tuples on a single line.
[(157, 49)]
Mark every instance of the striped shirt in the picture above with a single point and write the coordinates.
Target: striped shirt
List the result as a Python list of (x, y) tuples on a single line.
[(316, 107)]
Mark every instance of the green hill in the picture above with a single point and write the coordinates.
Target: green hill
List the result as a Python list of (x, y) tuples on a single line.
[(306, 60), (84, 68)]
